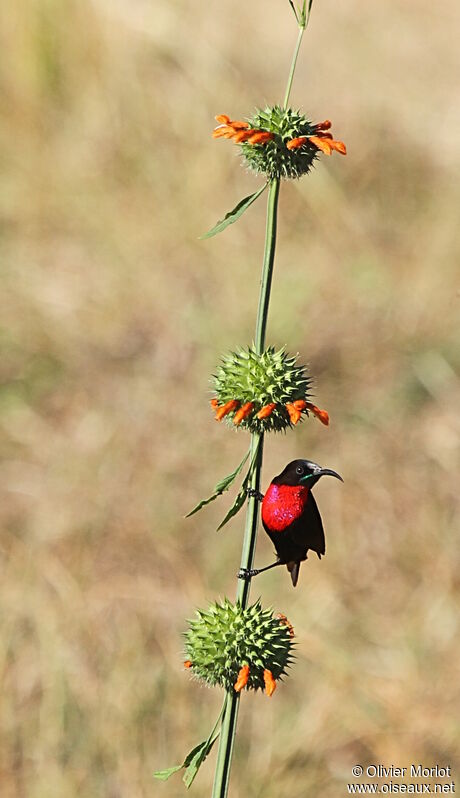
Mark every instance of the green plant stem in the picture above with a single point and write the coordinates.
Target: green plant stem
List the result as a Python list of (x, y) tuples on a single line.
[(228, 730), (232, 699), (293, 65), (226, 742), (267, 269)]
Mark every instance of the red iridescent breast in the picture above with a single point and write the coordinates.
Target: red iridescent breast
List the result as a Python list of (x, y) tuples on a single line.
[(282, 505)]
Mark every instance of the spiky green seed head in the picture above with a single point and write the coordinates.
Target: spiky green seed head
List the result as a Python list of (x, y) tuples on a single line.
[(273, 157), (274, 377), (222, 639)]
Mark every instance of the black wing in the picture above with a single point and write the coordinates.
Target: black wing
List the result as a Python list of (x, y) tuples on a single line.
[(308, 530), (306, 533)]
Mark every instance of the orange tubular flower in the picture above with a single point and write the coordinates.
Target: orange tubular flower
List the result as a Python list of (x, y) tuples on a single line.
[(242, 135), (242, 680), (243, 412), (270, 684), (239, 131), (214, 403), (326, 145), (282, 619), (294, 414), (322, 144), (227, 408), (187, 663), (266, 411), (322, 140), (322, 415), (260, 137), (223, 132), (293, 144), (236, 124), (300, 404)]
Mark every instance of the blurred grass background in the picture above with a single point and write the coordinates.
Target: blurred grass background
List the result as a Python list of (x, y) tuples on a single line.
[(113, 315)]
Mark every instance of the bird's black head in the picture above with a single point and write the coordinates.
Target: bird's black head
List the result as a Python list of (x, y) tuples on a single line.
[(303, 472)]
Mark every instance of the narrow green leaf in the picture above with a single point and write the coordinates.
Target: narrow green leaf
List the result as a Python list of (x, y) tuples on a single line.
[(242, 494), (201, 752), (195, 757), (225, 483), (235, 508), (305, 13), (234, 215), (294, 9), (221, 487), (163, 775)]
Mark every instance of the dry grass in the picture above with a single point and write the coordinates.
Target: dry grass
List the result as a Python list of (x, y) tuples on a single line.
[(113, 314)]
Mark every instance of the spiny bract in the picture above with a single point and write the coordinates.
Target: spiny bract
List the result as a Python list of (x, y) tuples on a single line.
[(226, 637), (273, 158), (272, 377)]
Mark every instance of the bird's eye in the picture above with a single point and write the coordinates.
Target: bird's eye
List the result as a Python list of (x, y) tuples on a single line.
[(299, 470)]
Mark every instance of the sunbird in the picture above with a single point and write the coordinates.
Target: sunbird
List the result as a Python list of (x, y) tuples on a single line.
[(291, 518)]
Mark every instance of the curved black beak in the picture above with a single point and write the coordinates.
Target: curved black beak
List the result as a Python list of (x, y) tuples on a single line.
[(328, 472)]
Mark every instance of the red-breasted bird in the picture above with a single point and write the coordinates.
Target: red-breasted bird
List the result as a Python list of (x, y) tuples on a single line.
[(291, 518)]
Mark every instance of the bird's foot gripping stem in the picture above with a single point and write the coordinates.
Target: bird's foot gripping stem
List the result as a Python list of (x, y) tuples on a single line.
[(247, 573), (255, 494)]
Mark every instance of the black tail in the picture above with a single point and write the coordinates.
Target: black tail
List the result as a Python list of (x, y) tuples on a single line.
[(294, 568)]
